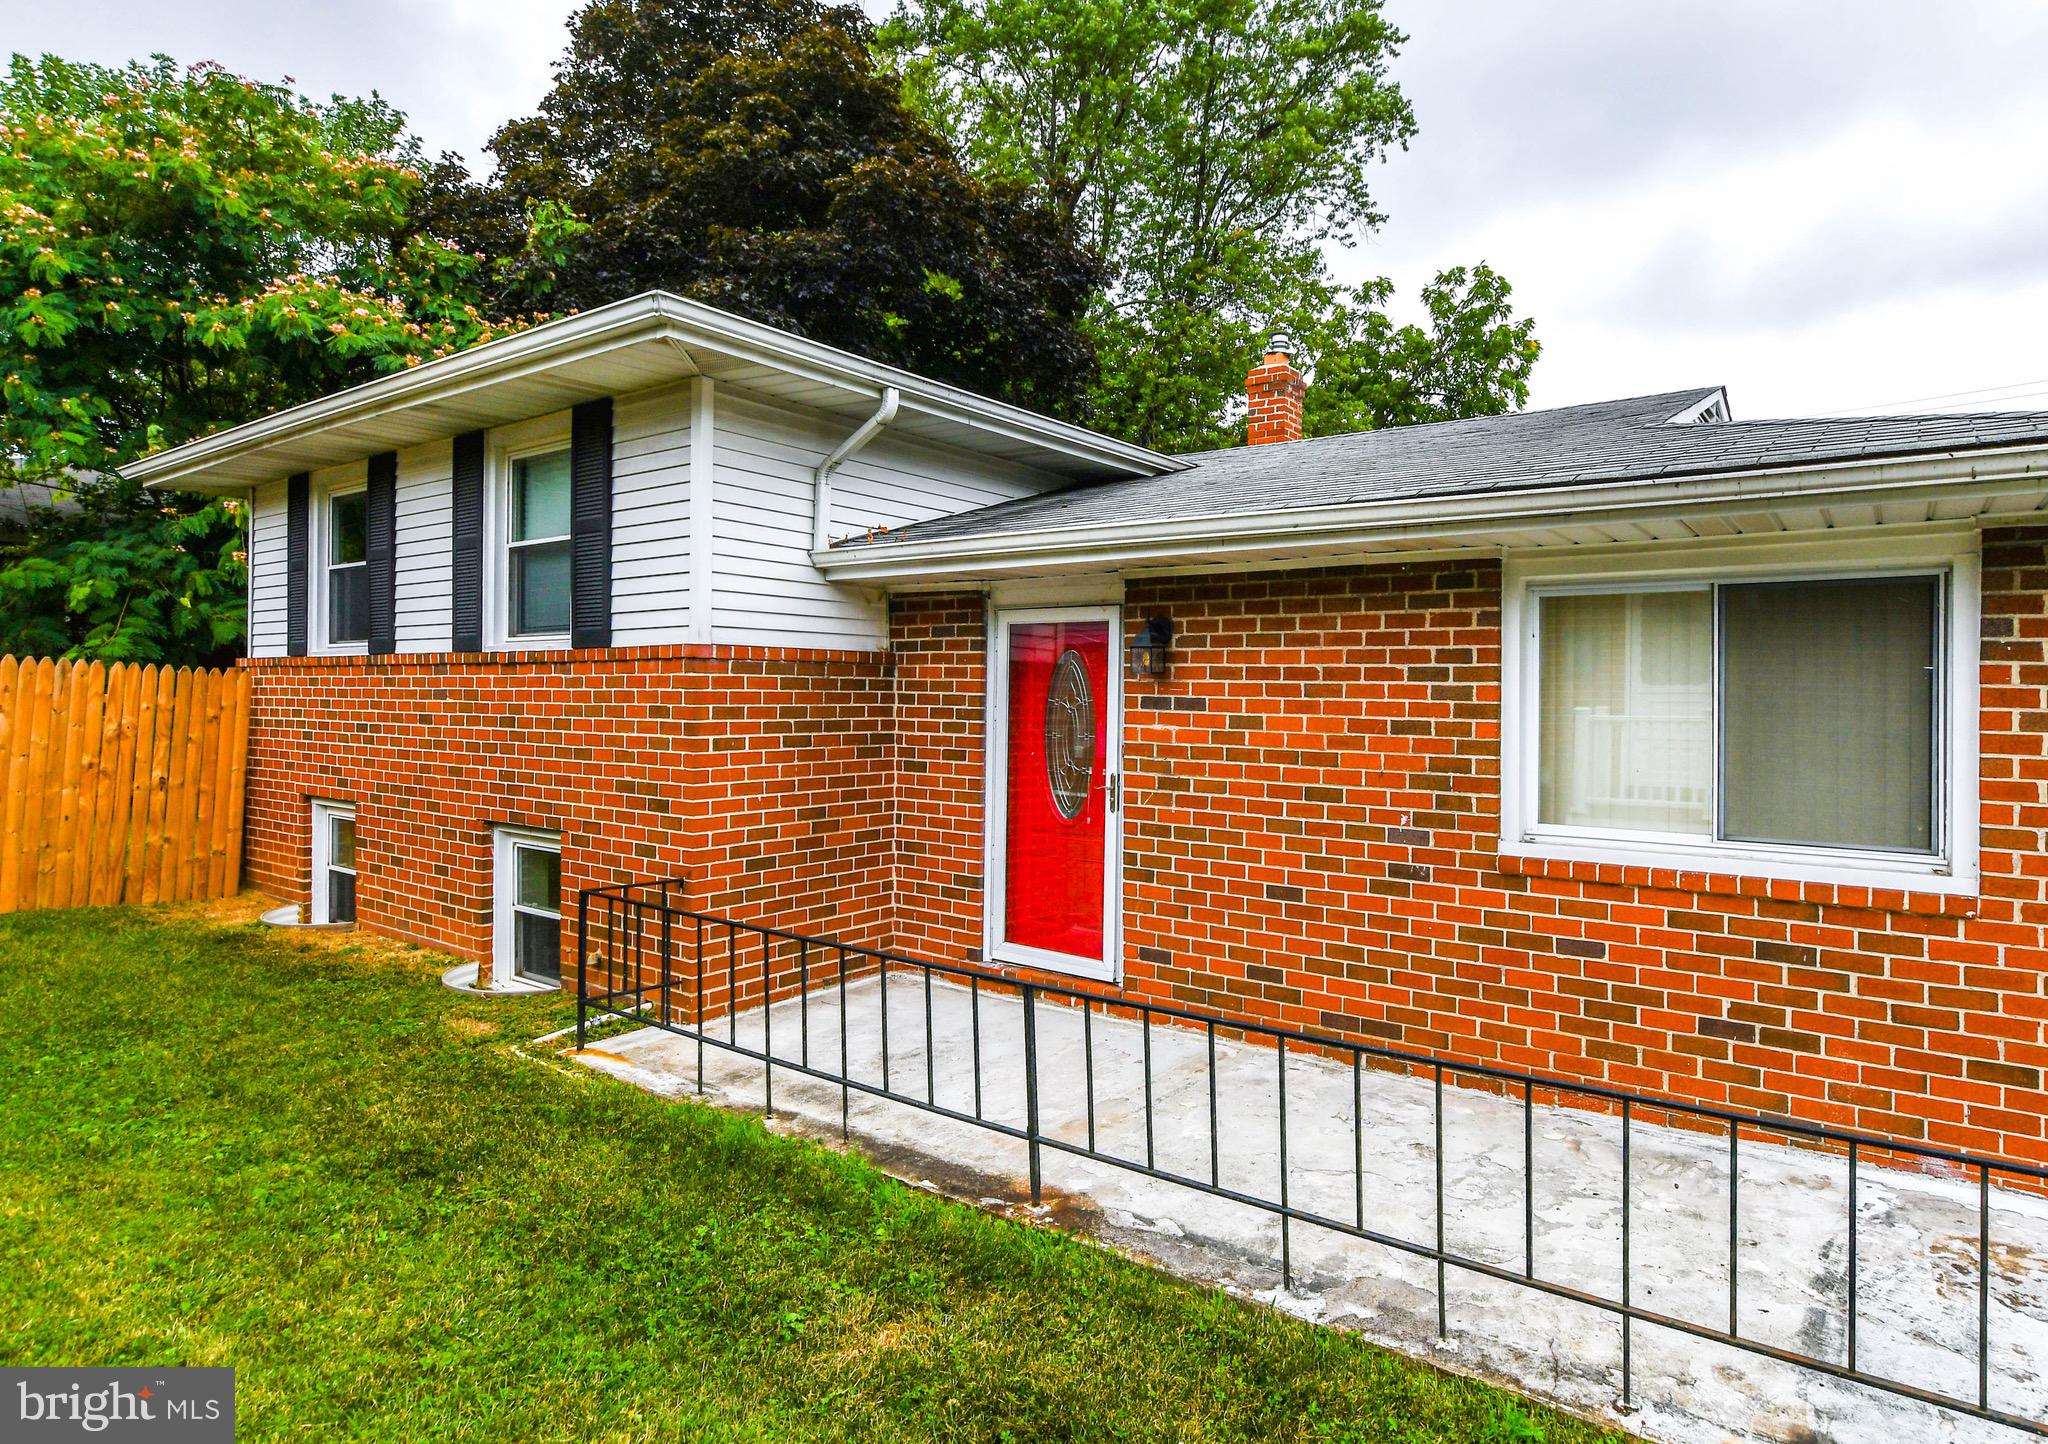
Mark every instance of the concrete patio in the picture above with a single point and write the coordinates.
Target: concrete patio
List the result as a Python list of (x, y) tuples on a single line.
[(1917, 1233)]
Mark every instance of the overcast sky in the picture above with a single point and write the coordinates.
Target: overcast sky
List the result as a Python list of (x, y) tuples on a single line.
[(1827, 206)]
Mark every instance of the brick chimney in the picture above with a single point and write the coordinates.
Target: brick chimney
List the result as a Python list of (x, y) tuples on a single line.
[(1275, 390)]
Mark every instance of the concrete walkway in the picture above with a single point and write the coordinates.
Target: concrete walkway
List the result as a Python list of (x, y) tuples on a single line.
[(1918, 1293)]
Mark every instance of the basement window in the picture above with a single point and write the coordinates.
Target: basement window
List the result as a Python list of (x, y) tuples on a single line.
[(1787, 721), (334, 863), (527, 930)]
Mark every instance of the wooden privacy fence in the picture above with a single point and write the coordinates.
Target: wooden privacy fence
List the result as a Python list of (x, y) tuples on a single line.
[(123, 783)]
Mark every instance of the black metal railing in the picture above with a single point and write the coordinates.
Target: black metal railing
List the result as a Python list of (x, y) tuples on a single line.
[(642, 956)]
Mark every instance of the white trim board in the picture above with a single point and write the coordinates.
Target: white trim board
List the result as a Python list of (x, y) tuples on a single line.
[(2012, 478), (1068, 591), (703, 480)]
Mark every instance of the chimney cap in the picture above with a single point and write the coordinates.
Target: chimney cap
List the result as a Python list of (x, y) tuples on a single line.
[(1280, 343)]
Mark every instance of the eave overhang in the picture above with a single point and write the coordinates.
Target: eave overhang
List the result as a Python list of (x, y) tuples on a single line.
[(2004, 483), (637, 344)]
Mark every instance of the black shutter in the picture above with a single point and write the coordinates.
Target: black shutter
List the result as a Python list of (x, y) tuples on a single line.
[(381, 552), (298, 560), (590, 524), (467, 563)]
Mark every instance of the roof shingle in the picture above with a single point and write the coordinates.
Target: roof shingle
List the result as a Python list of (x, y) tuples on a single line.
[(1630, 440)]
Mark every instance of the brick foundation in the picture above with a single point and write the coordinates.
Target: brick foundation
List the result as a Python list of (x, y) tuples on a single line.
[(761, 775)]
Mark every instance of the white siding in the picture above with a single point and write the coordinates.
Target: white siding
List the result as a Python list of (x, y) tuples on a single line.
[(424, 567), (766, 592), (267, 570), (893, 483), (651, 518)]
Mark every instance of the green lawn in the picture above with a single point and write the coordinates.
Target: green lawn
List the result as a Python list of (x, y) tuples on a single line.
[(220, 1146)]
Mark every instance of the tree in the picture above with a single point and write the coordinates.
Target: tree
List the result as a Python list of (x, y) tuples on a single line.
[(749, 154), (1209, 150), (1205, 148), (131, 578), (1474, 359), (180, 250)]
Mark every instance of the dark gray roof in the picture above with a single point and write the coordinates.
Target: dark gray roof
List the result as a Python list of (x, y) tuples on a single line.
[(19, 499), (1608, 441)]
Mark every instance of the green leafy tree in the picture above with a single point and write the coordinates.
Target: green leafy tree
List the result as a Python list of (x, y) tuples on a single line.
[(130, 578), (749, 154), (180, 250), (1472, 359), (1209, 151)]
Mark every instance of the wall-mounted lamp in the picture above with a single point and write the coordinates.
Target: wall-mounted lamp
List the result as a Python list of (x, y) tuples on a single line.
[(1151, 649)]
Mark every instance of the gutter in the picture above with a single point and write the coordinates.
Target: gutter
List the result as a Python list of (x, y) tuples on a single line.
[(577, 337), (821, 479), (1471, 518)]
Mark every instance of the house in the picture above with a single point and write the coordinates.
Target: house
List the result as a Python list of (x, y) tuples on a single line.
[(1626, 742), (24, 505)]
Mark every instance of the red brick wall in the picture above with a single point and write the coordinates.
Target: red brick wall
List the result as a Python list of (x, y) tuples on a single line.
[(940, 647), (762, 775), (1312, 837)]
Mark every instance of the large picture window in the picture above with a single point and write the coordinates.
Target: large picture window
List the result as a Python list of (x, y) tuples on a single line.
[(1765, 721)]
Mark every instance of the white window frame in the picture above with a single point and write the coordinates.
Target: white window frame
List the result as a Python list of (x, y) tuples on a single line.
[(1527, 577), (995, 799), (324, 492), (509, 445), (324, 812), (505, 845)]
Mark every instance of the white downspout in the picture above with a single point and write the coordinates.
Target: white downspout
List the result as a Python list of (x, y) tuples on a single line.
[(821, 480)]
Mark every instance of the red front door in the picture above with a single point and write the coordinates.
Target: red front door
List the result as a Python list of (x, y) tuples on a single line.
[(1056, 822)]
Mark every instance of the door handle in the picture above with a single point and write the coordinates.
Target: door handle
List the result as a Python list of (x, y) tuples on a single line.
[(1113, 787)]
